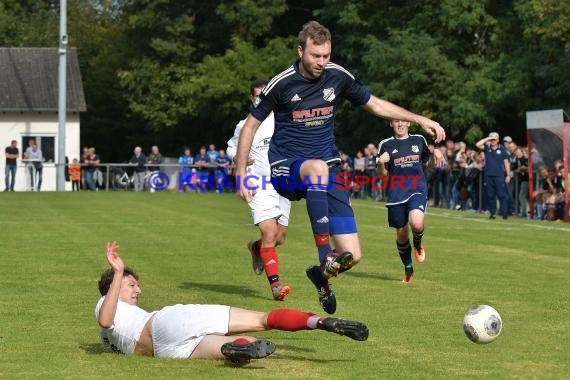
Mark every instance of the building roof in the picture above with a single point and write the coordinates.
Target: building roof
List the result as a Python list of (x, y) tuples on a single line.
[(29, 80)]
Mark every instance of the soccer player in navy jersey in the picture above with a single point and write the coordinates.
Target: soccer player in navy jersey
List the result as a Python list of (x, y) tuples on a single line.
[(305, 162), (404, 156)]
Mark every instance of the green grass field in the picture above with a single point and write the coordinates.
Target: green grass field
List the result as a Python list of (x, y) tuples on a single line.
[(190, 248)]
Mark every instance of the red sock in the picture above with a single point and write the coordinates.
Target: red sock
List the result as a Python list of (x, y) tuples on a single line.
[(270, 263), (291, 320), (321, 239), (241, 341)]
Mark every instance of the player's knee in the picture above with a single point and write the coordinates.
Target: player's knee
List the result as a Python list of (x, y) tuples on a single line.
[(356, 257), (402, 234), (281, 238), (417, 225), (316, 169)]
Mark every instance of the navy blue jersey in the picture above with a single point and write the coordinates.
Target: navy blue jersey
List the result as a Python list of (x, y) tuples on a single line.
[(304, 111), (495, 161), (406, 167)]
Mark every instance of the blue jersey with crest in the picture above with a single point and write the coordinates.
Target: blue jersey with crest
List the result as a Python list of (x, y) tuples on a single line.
[(406, 167), (304, 111)]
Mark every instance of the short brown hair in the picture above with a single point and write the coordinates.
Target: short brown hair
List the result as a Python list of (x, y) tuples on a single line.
[(107, 278), (315, 31)]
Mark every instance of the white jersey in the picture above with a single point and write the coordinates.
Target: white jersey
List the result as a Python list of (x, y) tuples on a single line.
[(259, 147), (127, 327)]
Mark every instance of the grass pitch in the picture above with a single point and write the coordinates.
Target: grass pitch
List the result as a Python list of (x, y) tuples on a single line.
[(191, 248)]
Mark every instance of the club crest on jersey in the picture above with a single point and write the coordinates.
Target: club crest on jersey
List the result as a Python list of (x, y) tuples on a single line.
[(256, 101), (328, 94), (415, 149)]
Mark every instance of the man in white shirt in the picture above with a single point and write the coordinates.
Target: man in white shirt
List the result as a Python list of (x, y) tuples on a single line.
[(193, 331)]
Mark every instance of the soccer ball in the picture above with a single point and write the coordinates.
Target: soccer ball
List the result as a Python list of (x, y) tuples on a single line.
[(482, 324)]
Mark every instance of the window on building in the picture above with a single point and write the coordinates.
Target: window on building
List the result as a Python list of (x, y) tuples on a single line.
[(45, 143)]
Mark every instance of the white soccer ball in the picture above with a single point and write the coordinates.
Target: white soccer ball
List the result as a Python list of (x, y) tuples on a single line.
[(482, 324)]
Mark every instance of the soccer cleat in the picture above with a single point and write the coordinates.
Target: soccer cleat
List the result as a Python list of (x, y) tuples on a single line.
[(408, 276), (242, 353), (326, 295), (256, 262), (421, 254), (352, 329), (335, 263), (280, 292)]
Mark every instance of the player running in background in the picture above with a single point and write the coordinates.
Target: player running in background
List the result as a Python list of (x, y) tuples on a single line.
[(303, 152), (269, 210), (404, 156), (193, 331)]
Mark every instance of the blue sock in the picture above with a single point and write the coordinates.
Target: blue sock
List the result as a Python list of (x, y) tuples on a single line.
[(318, 210), (418, 238), (405, 251)]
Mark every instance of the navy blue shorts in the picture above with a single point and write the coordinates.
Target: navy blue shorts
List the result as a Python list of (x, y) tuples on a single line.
[(287, 181), (398, 214)]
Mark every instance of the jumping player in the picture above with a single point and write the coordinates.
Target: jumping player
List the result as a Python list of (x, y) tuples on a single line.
[(404, 156), (193, 331), (303, 152), (269, 210)]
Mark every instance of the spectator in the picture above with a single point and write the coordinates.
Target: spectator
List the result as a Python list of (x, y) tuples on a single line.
[(36, 159), (360, 171), (460, 183), (12, 154), (550, 197), (75, 174), (202, 161), (29, 166), (441, 180), (510, 147), (92, 161), (222, 163), (371, 172), (82, 162), (186, 161), (522, 177), (138, 162), (497, 173), (472, 176), (212, 152), (154, 158)]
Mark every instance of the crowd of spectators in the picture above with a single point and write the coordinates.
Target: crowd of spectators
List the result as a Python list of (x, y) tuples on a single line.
[(458, 185)]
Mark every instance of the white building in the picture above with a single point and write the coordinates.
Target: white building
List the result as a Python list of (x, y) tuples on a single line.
[(29, 105)]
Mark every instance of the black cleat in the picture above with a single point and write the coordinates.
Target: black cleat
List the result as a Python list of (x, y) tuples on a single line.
[(243, 353), (336, 263), (326, 295), (352, 329)]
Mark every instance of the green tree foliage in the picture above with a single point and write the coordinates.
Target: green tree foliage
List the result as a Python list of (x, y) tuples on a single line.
[(177, 72)]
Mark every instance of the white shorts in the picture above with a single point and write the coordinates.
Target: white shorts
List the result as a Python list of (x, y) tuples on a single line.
[(267, 204), (177, 330)]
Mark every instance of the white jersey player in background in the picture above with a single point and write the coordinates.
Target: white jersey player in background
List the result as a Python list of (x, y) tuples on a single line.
[(269, 210)]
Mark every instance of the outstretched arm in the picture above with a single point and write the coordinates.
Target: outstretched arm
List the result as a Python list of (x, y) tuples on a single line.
[(244, 146), (385, 109), (109, 306)]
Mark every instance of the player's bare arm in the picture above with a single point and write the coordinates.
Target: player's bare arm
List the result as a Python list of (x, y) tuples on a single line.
[(382, 159), (438, 158), (385, 109), (109, 306), (244, 146)]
